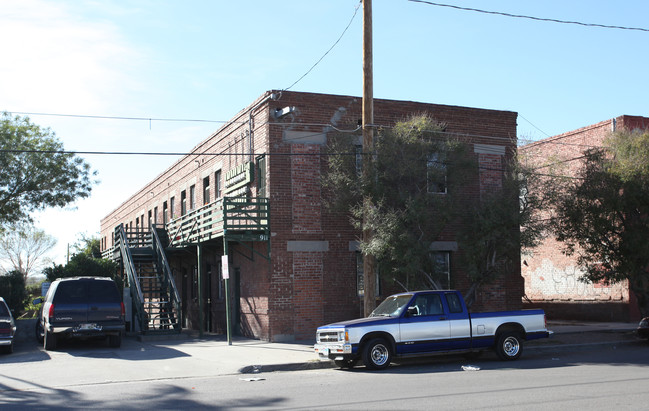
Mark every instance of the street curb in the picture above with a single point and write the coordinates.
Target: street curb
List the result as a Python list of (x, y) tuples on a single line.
[(303, 366), (582, 344), (322, 364)]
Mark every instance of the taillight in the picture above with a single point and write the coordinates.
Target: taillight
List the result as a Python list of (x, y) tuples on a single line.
[(50, 313), (545, 321), (123, 310)]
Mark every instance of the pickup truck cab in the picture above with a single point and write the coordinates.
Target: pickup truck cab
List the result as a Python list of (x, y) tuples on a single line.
[(425, 323)]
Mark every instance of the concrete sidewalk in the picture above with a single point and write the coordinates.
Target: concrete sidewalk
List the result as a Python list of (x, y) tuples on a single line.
[(188, 356)]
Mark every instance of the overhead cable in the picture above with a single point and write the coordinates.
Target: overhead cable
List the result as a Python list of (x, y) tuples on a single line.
[(520, 16), (330, 48)]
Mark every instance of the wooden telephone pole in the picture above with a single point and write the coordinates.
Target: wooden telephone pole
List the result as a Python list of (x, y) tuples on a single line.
[(369, 262)]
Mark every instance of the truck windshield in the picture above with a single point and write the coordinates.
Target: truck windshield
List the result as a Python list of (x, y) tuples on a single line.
[(392, 306)]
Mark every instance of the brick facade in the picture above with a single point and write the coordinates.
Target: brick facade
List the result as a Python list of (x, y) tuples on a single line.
[(310, 278), (552, 279)]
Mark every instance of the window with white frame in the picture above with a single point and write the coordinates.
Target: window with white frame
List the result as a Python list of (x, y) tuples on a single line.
[(192, 197), (206, 190)]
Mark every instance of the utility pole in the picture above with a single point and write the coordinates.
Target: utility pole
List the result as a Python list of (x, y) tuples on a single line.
[(369, 262)]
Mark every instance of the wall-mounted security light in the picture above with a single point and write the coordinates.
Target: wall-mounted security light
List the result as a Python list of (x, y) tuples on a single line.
[(281, 112)]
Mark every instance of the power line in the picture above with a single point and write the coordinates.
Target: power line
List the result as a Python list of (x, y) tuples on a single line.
[(330, 48), (195, 154), (520, 16), (161, 153), (379, 126), (120, 117), (533, 125), (357, 128), (447, 133)]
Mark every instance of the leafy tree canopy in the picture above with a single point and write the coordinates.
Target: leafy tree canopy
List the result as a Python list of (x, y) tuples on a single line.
[(415, 189), (86, 261), (13, 290), (603, 215), (495, 229), (36, 173)]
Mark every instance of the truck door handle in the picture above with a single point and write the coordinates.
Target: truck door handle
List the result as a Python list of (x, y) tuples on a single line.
[(442, 318)]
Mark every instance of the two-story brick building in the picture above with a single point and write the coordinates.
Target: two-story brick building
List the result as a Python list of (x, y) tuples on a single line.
[(552, 279), (252, 191)]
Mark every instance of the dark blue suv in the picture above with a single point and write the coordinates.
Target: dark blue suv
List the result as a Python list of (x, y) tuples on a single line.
[(81, 307)]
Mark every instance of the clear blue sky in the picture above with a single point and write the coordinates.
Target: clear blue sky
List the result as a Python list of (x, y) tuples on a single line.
[(209, 59)]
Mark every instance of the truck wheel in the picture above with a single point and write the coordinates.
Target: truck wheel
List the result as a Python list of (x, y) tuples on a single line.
[(509, 345), (345, 363), (50, 341), (377, 354)]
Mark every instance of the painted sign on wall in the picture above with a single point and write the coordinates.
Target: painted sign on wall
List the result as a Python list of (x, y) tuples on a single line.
[(238, 177)]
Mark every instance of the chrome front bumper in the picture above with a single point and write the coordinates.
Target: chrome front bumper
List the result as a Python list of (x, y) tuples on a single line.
[(332, 350)]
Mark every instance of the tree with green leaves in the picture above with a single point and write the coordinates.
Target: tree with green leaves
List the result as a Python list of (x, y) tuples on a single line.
[(36, 171), (13, 290), (497, 228), (85, 261), (24, 248), (418, 191), (415, 190), (603, 214)]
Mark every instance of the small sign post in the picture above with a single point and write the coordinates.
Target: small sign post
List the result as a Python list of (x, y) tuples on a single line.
[(225, 272)]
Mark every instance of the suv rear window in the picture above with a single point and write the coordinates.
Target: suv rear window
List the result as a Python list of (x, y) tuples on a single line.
[(70, 292), (3, 310), (81, 292), (103, 292)]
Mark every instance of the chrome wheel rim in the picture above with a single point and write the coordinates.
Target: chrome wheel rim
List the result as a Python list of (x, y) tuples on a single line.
[(379, 354), (511, 346)]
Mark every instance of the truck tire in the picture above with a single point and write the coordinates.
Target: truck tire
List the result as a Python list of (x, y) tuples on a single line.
[(509, 345), (345, 363), (377, 354), (50, 341)]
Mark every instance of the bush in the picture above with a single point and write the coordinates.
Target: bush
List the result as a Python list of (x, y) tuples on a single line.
[(12, 289)]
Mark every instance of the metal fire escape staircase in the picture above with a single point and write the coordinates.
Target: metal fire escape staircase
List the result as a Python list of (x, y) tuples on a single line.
[(242, 220), (153, 291), (142, 254)]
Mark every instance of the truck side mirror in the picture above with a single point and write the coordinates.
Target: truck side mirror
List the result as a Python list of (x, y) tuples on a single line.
[(413, 311)]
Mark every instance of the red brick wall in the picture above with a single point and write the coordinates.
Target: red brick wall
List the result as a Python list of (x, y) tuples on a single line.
[(552, 279), (288, 297)]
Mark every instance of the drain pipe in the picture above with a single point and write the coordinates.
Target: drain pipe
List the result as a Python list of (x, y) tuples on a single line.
[(251, 125)]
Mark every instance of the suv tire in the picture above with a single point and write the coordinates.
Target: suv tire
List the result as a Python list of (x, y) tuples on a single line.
[(50, 341), (115, 341), (38, 329)]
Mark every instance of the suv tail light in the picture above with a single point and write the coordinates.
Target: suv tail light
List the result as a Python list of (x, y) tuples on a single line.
[(50, 313), (123, 310)]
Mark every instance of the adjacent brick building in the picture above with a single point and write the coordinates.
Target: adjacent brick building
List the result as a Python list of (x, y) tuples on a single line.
[(552, 279), (304, 272)]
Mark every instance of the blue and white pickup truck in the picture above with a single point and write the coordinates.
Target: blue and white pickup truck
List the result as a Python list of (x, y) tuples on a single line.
[(425, 323)]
